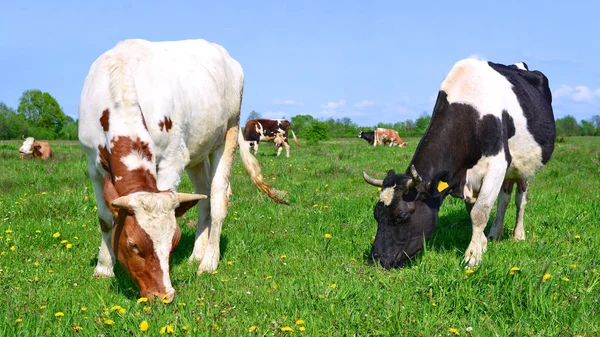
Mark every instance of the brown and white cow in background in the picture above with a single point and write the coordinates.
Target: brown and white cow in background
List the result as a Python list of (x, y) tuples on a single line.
[(32, 149), (269, 130), (148, 111), (388, 136)]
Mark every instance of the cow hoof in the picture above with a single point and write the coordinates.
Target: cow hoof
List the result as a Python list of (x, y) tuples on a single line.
[(519, 235), (103, 272)]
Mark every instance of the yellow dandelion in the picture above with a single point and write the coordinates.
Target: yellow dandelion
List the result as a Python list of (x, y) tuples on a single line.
[(64, 241), (333, 286), (299, 322), (253, 328), (275, 286), (77, 328), (35, 278), (546, 277), (109, 322), (116, 307), (83, 309), (283, 256), (35, 264), (37, 231), (325, 207), (514, 270), (43, 193), (269, 277), (13, 248), (566, 279), (56, 235), (42, 307), (142, 300), (18, 320), (8, 231), (315, 205), (327, 236), (185, 328), (469, 271), (214, 272), (122, 311), (454, 331), (433, 304), (59, 314), (573, 266), (577, 237), (144, 326), (146, 308), (229, 263), (287, 329), (69, 246)]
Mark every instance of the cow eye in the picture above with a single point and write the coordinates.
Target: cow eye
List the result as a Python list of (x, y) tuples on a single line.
[(133, 247)]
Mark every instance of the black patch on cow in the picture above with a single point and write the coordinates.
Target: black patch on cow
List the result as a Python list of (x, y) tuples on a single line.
[(369, 136), (535, 98), (508, 126), (489, 135)]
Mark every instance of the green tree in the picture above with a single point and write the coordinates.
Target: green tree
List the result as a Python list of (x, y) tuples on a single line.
[(41, 110), (587, 128), (253, 115), (70, 129), (301, 123), (316, 132), (12, 124), (567, 126)]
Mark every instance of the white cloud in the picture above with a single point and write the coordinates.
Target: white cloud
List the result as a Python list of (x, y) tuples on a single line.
[(286, 102), (334, 105), (579, 93), (364, 104)]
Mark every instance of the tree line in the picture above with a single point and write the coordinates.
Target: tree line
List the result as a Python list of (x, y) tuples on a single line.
[(39, 115)]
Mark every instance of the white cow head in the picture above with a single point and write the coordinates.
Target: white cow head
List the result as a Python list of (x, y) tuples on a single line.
[(27, 147)]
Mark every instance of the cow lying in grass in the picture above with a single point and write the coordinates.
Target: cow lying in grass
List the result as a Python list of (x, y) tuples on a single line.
[(492, 127), (32, 149)]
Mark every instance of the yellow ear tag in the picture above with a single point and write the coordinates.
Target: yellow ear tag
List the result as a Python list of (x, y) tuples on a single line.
[(442, 186)]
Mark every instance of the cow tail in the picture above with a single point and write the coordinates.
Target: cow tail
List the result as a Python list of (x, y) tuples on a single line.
[(295, 139), (252, 167)]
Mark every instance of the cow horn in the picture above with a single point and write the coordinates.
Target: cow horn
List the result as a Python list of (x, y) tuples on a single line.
[(121, 202), (372, 181), (416, 178), (185, 197)]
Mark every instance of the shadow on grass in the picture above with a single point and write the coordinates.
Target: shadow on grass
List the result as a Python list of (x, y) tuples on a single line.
[(123, 284)]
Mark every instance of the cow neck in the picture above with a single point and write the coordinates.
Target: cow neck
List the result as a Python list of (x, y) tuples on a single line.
[(447, 145)]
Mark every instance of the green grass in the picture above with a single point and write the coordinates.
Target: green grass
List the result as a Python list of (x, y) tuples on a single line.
[(277, 267)]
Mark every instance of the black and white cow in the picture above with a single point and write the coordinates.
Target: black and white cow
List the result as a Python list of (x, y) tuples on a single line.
[(269, 130), (369, 136), (492, 127)]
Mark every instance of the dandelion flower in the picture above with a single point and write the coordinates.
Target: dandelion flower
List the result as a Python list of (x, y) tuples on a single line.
[(229, 263), (18, 320), (142, 300), (269, 277), (214, 272), (13, 248), (64, 241), (116, 307), (566, 279), (546, 277), (37, 231), (469, 271), (299, 322), (514, 270), (146, 308), (144, 326), (315, 205), (8, 231), (454, 331), (577, 237), (77, 328), (109, 322), (333, 286), (83, 309), (69, 245), (56, 235), (327, 236), (253, 328), (59, 314), (283, 256), (287, 329)]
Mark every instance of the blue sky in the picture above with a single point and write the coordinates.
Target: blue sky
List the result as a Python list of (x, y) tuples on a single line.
[(373, 61)]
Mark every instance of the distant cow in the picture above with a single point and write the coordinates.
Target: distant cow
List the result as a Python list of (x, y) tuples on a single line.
[(38, 150), (369, 136), (149, 110), (267, 130), (492, 127), (388, 136)]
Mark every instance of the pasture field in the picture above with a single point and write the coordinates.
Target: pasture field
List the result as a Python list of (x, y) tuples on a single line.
[(301, 270)]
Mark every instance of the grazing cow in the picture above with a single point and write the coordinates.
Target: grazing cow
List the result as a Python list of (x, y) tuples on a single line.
[(369, 136), (267, 130), (33, 149), (388, 136), (148, 111), (492, 127)]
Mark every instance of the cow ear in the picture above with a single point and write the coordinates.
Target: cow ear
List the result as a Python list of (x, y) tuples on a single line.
[(187, 201), (37, 145)]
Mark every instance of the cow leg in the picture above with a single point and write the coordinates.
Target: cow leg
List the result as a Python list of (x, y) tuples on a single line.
[(106, 256), (520, 201), (480, 212), (221, 162), (279, 149), (503, 200), (255, 148), (201, 179), (287, 148)]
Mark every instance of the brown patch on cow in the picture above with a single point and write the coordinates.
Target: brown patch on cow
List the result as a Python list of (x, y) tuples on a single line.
[(104, 157), (143, 119), (104, 120), (136, 180), (167, 124)]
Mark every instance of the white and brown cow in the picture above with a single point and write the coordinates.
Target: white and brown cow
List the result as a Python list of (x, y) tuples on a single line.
[(148, 111), (492, 128), (32, 149), (269, 130), (388, 136)]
